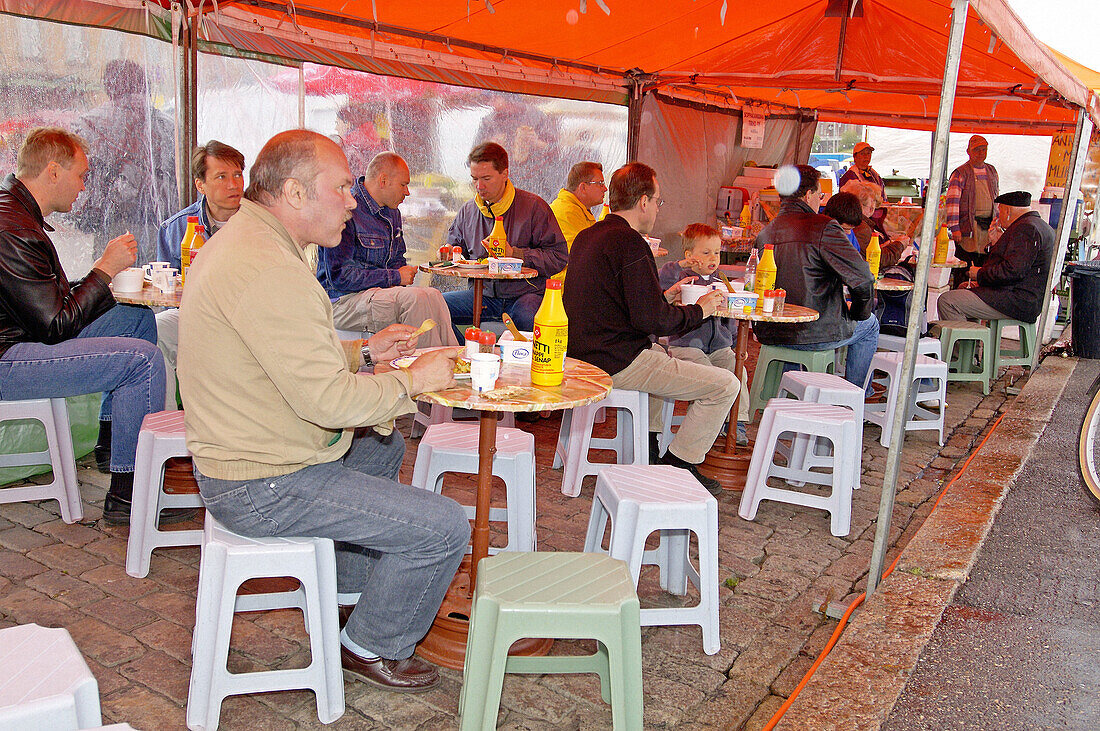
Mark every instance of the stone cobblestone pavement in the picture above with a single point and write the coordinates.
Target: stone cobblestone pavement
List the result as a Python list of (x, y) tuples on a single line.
[(136, 633)]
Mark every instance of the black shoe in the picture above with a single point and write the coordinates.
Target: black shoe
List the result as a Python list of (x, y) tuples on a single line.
[(654, 448), (713, 486), (528, 417), (116, 511), (102, 458)]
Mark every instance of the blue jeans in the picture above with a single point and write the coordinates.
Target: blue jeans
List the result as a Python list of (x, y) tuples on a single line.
[(115, 354), (397, 545), (861, 348), (521, 309)]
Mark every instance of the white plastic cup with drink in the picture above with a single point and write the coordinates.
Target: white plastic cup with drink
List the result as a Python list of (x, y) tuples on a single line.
[(484, 371)]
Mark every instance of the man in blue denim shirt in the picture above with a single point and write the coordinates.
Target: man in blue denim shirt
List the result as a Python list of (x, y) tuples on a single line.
[(366, 275)]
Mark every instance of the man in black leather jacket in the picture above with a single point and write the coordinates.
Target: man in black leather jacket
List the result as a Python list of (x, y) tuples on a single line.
[(60, 339), (814, 263)]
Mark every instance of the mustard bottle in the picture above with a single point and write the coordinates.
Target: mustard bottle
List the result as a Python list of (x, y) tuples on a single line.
[(186, 245), (497, 239), (874, 255), (551, 338), (943, 242), (765, 273), (604, 210)]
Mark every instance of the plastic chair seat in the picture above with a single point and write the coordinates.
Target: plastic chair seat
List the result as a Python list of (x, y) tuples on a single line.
[(631, 445), (44, 681), (919, 413), (818, 388), (440, 414), (558, 595), (54, 416), (639, 500), (162, 436), (769, 370), (896, 343), (228, 560), (454, 448), (1018, 356), (835, 423), (967, 335)]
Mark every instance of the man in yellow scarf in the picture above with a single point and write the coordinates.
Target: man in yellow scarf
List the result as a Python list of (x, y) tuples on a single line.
[(532, 234), (584, 188)]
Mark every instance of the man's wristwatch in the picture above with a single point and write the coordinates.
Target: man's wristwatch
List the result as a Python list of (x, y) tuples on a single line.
[(367, 361)]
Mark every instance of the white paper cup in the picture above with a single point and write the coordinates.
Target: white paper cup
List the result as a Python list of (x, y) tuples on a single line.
[(690, 293), (484, 371), (129, 280)]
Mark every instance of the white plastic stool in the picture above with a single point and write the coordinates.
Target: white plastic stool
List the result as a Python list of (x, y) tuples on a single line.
[(453, 448), (669, 419), (919, 413), (65, 489), (229, 560), (640, 499), (440, 414), (835, 423), (162, 436), (631, 446), (896, 343), (44, 682), (819, 388)]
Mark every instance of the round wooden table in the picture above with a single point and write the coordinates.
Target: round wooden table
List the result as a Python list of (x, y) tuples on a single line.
[(726, 464), (887, 284), (150, 296), (478, 275), (951, 264), (445, 643)]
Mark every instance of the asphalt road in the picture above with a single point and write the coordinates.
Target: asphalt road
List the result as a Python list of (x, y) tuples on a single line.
[(1019, 647)]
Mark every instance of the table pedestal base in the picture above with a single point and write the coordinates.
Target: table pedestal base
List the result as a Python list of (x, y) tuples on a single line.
[(445, 643), (729, 469)]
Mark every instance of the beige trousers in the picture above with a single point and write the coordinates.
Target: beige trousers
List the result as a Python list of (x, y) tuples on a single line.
[(374, 309), (710, 390), (723, 358)]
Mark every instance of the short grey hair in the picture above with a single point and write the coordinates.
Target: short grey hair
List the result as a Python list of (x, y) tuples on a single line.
[(582, 172), (384, 162), (44, 145), (290, 154)]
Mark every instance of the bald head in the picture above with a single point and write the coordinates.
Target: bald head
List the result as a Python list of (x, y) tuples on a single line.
[(387, 179), (290, 155)]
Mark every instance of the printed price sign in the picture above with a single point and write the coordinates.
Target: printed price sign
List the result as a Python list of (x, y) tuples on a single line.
[(752, 127)]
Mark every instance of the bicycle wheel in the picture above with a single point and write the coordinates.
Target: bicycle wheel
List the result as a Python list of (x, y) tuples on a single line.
[(1088, 446)]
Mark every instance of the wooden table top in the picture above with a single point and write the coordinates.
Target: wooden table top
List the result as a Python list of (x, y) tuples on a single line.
[(583, 384), (888, 284), (951, 264), (791, 314), (480, 273), (150, 296)]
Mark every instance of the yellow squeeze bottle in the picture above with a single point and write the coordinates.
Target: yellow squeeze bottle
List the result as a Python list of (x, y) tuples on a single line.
[(765, 273), (186, 245), (551, 338), (497, 238), (943, 242), (874, 255), (604, 210), (746, 217)]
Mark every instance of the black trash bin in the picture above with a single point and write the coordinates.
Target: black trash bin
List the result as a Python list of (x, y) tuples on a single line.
[(1085, 315)]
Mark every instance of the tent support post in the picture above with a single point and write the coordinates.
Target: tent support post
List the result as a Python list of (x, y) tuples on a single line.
[(189, 103), (920, 291), (634, 119), (1081, 138)]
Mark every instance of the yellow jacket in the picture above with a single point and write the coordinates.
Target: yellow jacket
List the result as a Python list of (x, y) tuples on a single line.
[(573, 218), (269, 387)]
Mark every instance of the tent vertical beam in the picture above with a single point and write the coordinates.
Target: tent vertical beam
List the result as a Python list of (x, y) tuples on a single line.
[(920, 291), (1079, 153), (189, 103), (634, 119)]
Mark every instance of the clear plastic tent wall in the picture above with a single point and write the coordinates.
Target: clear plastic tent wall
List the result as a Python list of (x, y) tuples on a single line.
[(116, 90)]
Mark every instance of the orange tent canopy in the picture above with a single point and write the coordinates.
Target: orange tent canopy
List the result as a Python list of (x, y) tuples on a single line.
[(867, 61)]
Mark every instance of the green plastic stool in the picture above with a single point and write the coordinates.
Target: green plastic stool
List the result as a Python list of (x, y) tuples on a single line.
[(1021, 355), (769, 371), (562, 596), (966, 335)]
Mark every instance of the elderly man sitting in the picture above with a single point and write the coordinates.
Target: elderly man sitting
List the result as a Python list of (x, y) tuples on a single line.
[(1012, 279)]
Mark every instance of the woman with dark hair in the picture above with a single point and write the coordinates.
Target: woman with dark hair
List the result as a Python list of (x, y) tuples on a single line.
[(845, 209)]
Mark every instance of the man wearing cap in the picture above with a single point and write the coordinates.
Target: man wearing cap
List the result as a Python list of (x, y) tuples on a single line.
[(1011, 282), (969, 204), (861, 169)]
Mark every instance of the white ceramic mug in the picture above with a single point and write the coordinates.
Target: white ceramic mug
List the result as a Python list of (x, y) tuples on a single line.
[(129, 280), (690, 293), (484, 371)]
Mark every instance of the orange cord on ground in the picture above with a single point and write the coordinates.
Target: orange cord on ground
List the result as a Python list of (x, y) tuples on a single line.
[(859, 599)]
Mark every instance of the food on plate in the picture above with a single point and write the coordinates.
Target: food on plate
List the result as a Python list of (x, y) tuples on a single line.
[(462, 365)]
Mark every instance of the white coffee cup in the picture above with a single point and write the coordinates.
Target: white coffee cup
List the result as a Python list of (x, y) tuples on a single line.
[(165, 280), (484, 371), (129, 280), (690, 293), (154, 266)]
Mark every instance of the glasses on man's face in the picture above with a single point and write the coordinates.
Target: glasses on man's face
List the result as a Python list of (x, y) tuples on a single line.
[(600, 183), (658, 201)]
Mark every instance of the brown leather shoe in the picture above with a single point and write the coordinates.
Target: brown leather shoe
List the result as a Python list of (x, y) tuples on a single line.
[(411, 675)]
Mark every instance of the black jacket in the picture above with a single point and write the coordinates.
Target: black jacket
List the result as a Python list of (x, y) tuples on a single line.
[(814, 261), (613, 299), (1015, 271), (37, 303)]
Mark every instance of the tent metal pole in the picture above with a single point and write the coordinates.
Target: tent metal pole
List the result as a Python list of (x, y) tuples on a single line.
[(189, 103), (920, 287), (634, 119), (1079, 153)]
